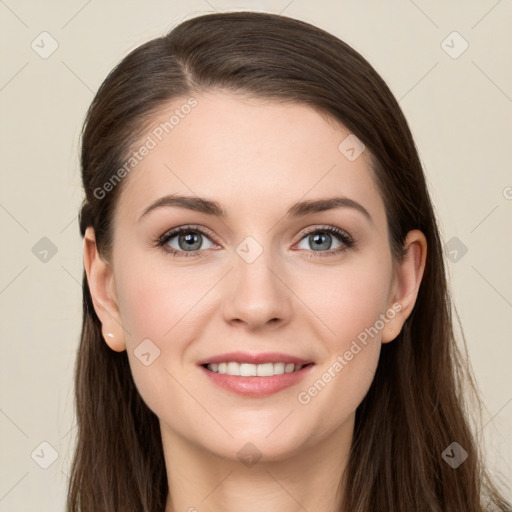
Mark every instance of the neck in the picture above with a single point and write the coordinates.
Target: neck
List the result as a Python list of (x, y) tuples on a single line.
[(307, 479)]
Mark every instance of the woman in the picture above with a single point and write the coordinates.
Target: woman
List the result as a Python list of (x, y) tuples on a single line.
[(267, 323)]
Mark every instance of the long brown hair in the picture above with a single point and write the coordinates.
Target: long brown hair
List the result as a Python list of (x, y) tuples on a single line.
[(415, 407)]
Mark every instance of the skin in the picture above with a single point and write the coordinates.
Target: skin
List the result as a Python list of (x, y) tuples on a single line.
[(256, 158)]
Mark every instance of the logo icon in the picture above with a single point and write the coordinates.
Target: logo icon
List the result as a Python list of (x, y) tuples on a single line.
[(249, 454), (455, 249), (454, 455), (44, 45), (351, 147), (454, 45), (44, 250), (44, 455), (147, 352), (249, 249)]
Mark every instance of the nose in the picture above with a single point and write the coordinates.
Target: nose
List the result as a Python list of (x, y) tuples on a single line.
[(258, 293)]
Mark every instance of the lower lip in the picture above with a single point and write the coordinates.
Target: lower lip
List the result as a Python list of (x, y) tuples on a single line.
[(257, 386)]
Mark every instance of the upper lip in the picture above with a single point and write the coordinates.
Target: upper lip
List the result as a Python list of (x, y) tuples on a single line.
[(245, 357)]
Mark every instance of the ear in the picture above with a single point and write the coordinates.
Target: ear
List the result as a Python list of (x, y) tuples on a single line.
[(407, 280), (102, 287)]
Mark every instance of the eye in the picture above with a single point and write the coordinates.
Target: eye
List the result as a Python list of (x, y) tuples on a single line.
[(183, 240), (322, 238), (189, 241)]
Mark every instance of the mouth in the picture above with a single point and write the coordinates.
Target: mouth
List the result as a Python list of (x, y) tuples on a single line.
[(255, 380)]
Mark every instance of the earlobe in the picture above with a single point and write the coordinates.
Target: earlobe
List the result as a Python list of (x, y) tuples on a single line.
[(408, 277), (101, 285)]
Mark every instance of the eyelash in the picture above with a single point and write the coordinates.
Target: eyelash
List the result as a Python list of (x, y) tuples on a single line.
[(346, 239)]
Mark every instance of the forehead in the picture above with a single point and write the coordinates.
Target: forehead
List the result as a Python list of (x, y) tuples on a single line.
[(246, 153)]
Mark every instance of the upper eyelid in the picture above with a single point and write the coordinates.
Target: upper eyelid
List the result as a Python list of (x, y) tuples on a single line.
[(171, 233)]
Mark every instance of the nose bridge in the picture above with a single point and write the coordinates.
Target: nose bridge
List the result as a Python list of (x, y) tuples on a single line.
[(258, 294)]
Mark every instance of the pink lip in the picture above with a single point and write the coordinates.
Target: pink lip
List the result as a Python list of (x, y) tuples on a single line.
[(256, 386), (245, 357)]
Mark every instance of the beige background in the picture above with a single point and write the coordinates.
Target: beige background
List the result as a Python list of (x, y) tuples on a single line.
[(460, 112)]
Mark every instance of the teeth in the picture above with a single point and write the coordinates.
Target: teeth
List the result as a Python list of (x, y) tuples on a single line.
[(254, 370)]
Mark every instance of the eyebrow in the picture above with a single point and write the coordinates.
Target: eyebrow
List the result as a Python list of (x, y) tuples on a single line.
[(302, 208)]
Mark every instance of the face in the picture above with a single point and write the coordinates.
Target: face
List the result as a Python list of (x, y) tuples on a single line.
[(318, 285)]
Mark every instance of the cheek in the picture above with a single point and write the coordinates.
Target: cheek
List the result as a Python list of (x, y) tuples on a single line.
[(155, 300), (348, 299)]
